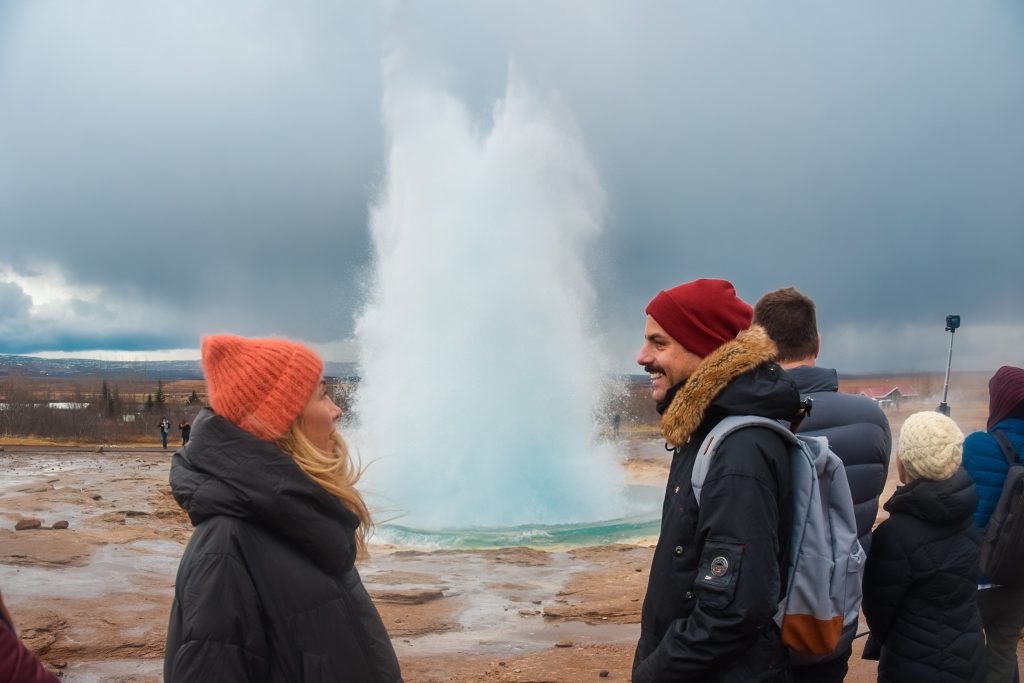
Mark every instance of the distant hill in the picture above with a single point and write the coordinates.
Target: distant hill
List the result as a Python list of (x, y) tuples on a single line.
[(30, 366)]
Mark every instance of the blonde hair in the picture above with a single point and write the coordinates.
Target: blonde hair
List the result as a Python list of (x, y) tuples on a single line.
[(335, 471)]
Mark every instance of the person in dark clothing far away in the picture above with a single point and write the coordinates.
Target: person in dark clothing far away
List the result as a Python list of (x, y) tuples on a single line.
[(1002, 607), (267, 589), (165, 426), (717, 573), (17, 663), (919, 585), (856, 428), (186, 429)]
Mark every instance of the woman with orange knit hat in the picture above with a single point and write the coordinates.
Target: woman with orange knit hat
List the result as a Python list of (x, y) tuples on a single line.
[(267, 589)]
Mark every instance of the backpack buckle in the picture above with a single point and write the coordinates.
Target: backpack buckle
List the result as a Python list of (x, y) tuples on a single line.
[(804, 409)]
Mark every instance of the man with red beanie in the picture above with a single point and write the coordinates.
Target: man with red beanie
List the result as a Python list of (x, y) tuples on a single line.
[(718, 569), (1001, 607)]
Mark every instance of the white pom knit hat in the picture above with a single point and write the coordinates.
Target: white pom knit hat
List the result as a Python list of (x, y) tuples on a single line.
[(931, 446)]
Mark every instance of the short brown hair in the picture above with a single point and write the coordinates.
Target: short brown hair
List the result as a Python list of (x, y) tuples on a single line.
[(789, 319)]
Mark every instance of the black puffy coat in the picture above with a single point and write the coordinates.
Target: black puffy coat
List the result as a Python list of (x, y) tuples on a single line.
[(696, 625), (857, 431), (919, 585), (267, 589)]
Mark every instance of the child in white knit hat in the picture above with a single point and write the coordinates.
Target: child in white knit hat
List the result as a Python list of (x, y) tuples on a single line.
[(920, 582)]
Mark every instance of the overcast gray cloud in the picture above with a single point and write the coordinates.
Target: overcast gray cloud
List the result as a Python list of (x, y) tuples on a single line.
[(177, 168)]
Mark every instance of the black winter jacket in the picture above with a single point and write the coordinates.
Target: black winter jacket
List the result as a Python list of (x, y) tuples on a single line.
[(919, 585), (704, 625), (857, 431), (267, 589)]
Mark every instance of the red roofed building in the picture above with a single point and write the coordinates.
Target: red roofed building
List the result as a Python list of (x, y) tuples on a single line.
[(889, 397)]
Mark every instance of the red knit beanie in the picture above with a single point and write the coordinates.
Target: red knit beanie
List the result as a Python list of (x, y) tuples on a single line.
[(701, 315), (261, 385), (1005, 392)]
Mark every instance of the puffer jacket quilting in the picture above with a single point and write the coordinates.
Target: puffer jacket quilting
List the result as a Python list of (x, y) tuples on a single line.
[(267, 589), (857, 431), (984, 461)]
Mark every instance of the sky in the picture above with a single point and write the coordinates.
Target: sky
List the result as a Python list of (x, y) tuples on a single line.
[(169, 170)]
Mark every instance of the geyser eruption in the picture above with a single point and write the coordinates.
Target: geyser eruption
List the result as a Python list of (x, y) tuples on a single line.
[(480, 373)]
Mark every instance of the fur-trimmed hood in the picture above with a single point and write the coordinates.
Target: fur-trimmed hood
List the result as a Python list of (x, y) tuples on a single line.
[(738, 378)]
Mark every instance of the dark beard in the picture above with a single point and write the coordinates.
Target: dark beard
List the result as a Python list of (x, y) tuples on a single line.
[(670, 394)]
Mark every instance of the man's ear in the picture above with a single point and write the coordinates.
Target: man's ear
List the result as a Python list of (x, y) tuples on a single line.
[(817, 348)]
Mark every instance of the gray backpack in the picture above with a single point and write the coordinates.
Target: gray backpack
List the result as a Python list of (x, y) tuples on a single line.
[(817, 615)]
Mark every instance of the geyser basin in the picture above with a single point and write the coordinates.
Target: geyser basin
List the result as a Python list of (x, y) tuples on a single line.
[(642, 522), (481, 372)]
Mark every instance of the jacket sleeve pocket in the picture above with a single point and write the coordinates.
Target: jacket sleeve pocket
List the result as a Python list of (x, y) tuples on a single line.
[(718, 573)]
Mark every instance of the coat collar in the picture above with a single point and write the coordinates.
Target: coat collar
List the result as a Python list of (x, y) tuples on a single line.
[(225, 470), (813, 379), (751, 348)]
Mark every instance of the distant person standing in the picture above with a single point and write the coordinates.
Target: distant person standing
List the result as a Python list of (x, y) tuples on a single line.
[(1002, 607), (920, 595), (857, 431), (165, 426), (186, 429)]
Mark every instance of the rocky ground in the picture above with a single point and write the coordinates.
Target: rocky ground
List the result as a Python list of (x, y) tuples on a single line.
[(92, 599)]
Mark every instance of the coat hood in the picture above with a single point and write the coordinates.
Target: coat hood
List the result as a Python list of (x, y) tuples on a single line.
[(225, 470), (950, 501), (738, 378)]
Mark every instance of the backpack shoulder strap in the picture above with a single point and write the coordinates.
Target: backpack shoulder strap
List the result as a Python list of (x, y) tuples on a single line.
[(713, 440), (1009, 452)]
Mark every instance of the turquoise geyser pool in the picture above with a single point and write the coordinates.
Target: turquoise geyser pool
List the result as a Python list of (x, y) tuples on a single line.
[(644, 503)]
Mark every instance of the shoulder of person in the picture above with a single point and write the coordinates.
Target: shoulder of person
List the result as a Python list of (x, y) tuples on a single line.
[(983, 444), (887, 537), (748, 450), (843, 407)]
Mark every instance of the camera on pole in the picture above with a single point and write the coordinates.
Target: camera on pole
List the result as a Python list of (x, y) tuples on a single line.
[(952, 323)]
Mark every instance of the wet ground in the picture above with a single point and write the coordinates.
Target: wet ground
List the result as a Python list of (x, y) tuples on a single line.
[(92, 600)]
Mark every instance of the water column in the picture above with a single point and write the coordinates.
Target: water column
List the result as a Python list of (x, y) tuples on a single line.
[(480, 369)]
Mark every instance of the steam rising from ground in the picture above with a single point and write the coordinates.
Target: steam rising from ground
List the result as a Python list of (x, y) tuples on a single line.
[(480, 371)]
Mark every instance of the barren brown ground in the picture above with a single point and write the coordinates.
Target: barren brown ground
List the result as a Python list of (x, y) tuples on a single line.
[(92, 600)]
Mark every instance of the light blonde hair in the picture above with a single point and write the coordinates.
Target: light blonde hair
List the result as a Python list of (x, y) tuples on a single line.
[(335, 471)]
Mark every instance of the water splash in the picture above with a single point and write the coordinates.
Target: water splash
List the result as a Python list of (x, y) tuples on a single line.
[(480, 371)]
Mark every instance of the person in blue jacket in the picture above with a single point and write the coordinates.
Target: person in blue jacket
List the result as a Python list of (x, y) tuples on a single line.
[(1002, 607)]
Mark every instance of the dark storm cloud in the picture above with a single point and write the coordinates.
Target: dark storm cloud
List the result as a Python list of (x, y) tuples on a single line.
[(14, 304), (206, 162), (213, 163)]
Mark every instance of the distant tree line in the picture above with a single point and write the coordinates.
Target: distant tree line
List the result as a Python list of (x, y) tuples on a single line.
[(100, 414)]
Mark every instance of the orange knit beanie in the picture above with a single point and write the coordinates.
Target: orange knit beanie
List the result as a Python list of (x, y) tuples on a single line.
[(261, 385)]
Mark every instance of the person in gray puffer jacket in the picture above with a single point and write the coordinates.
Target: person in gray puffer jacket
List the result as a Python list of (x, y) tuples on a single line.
[(856, 428)]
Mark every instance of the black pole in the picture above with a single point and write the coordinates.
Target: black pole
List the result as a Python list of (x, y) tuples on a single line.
[(952, 322)]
